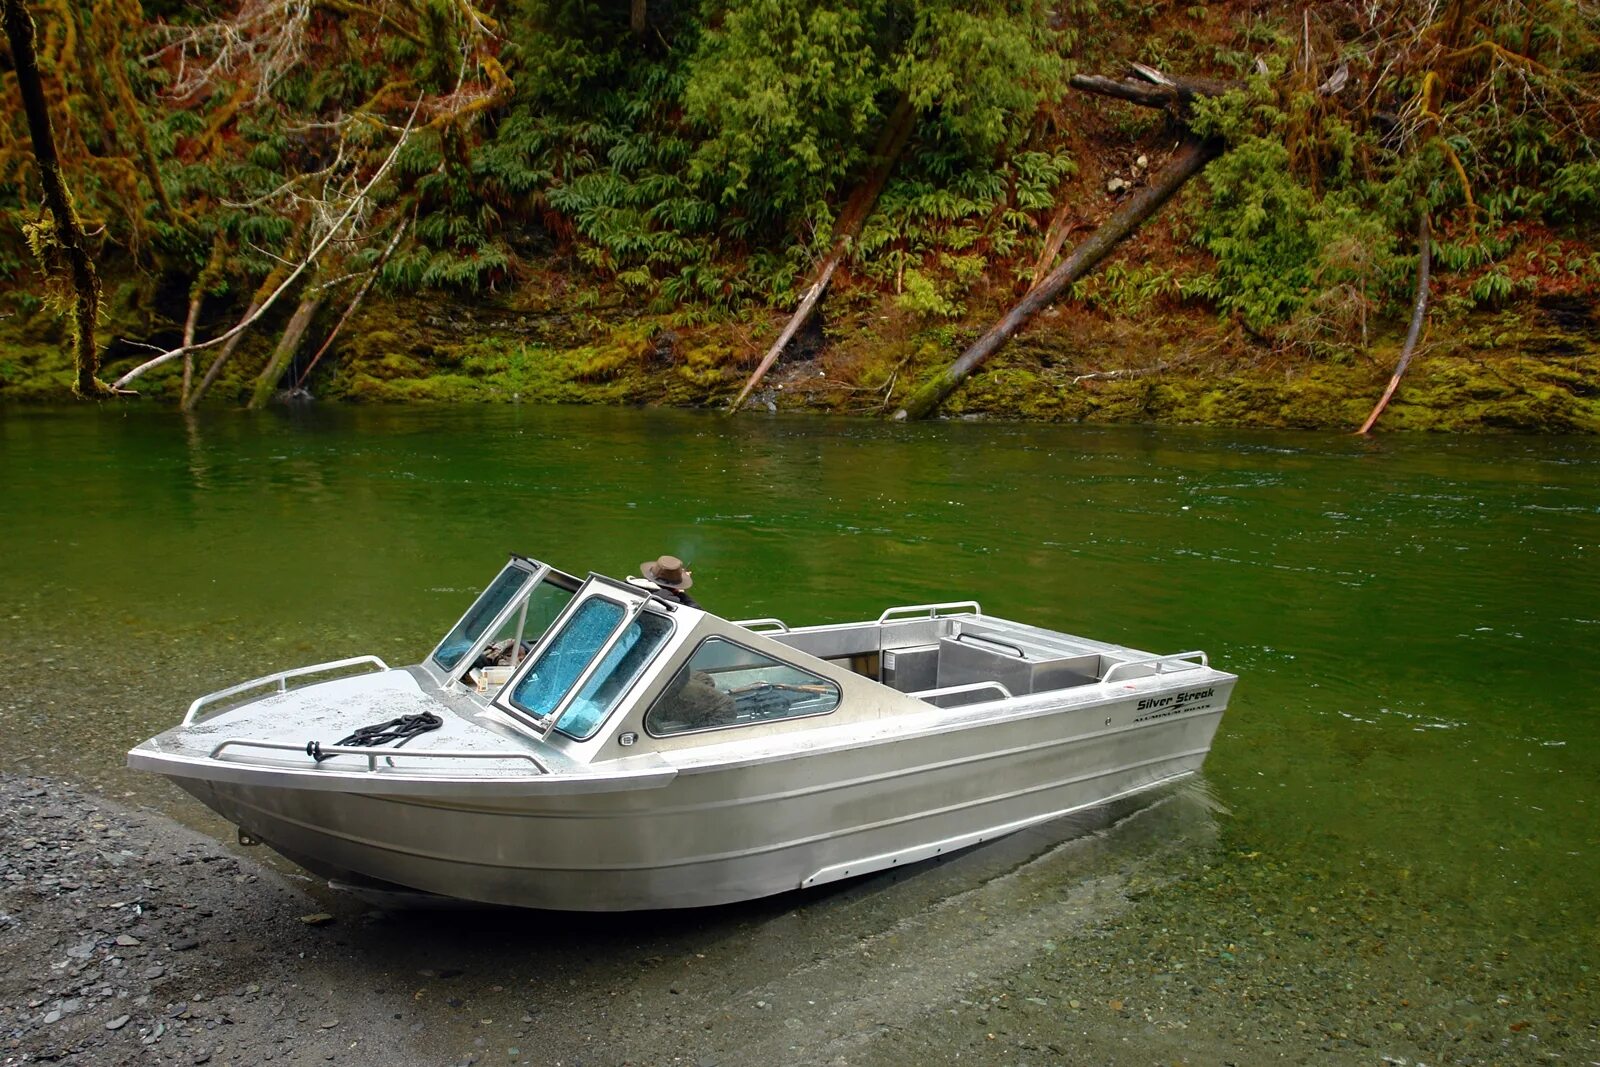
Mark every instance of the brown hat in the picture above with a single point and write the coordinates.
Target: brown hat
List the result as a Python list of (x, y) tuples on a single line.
[(668, 571)]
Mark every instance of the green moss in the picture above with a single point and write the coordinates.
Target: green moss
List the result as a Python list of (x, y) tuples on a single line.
[(1098, 371), (1505, 371)]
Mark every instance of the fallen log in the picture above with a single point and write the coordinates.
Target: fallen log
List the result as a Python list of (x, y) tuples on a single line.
[(851, 219), (1419, 312), (1149, 87), (1190, 159), (333, 231)]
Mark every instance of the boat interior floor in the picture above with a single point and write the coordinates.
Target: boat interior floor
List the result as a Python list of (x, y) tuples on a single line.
[(958, 652)]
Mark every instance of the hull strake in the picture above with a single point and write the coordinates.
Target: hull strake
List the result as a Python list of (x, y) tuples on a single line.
[(717, 835)]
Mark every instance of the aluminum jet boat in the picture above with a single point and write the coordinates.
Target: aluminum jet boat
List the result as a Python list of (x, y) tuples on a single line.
[(593, 745)]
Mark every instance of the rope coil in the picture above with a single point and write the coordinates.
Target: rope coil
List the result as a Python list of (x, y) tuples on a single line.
[(398, 730)]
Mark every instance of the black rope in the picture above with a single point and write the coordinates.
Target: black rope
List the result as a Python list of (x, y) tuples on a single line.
[(398, 730)]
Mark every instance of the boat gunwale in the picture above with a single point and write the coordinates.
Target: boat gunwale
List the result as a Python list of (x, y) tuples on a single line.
[(699, 759)]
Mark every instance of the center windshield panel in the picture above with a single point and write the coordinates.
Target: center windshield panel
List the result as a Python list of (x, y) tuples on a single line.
[(587, 631)]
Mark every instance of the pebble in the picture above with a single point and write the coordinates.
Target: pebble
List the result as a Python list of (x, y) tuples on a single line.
[(118, 1023)]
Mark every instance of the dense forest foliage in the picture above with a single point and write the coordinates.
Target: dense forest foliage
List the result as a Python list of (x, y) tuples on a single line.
[(693, 160)]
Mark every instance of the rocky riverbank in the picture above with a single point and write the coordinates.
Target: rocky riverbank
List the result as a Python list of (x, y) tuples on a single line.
[(1123, 938), (130, 939)]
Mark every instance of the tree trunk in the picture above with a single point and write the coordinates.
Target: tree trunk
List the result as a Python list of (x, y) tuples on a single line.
[(288, 345), (366, 287), (130, 106), (1190, 159), (68, 235), (192, 400), (195, 301), (848, 228), (638, 18), (1419, 312), (197, 294), (268, 286)]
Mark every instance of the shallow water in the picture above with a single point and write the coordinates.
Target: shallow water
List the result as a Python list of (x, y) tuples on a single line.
[(1415, 621)]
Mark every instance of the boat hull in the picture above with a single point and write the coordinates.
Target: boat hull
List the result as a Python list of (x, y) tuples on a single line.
[(717, 832)]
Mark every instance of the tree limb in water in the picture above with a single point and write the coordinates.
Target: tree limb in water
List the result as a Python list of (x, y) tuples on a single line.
[(1190, 159), (366, 287), (288, 345), (65, 238), (356, 202), (1419, 312), (192, 400), (850, 221)]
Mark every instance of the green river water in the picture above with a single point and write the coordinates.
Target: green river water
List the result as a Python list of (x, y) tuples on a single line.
[(1403, 800)]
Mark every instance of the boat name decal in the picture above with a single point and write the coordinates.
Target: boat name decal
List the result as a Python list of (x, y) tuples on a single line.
[(1173, 704)]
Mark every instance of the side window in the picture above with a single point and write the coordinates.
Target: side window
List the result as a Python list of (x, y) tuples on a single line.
[(522, 629), (725, 684), (479, 616)]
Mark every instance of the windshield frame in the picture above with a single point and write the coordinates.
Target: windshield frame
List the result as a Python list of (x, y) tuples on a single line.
[(633, 605), (533, 572)]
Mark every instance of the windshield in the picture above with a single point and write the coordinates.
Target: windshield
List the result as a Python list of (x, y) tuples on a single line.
[(563, 661), (480, 616), (616, 673)]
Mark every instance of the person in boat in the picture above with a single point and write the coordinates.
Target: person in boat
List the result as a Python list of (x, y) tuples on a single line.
[(693, 702), (668, 575)]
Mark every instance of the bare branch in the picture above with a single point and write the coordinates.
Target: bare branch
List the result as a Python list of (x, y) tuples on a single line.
[(356, 203)]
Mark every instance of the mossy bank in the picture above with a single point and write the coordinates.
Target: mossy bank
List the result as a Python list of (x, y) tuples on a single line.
[(1532, 369)]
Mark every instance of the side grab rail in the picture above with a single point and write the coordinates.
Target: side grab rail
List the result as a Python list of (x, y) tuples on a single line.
[(932, 610), (1158, 661), (984, 639), (774, 624), (951, 690), (282, 680), (371, 755)]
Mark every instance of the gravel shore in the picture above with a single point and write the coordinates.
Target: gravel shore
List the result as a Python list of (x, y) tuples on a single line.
[(131, 939), (1118, 939)]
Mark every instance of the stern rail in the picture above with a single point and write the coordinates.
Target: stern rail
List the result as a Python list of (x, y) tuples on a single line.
[(1188, 659), (280, 678)]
